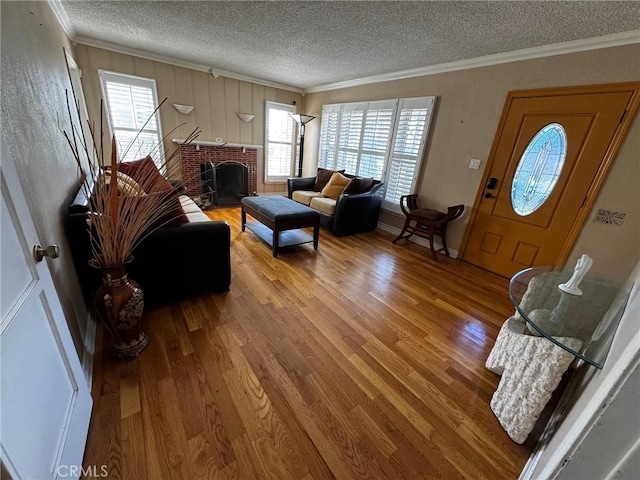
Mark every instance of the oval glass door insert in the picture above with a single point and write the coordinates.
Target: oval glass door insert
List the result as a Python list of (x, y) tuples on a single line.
[(539, 168)]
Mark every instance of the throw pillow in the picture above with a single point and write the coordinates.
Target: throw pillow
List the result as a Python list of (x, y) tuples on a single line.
[(127, 180), (322, 178), (124, 189), (336, 185), (145, 172), (359, 185), (174, 213)]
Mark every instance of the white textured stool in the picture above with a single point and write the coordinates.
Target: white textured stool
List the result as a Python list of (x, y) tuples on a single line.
[(531, 369)]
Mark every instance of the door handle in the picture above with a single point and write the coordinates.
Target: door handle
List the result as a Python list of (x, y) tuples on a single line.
[(488, 195), (52, 251)]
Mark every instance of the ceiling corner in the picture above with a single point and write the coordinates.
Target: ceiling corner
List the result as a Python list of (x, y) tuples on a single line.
[(63, 19)]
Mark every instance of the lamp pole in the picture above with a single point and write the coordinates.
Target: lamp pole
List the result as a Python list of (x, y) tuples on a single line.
[(301, 120)]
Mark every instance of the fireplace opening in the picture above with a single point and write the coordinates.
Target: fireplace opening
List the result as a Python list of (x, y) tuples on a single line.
[(224, 184)]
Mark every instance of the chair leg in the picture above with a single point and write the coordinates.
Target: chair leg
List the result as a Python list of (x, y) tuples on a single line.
[(444, 241), (433, 250), (404, 230)]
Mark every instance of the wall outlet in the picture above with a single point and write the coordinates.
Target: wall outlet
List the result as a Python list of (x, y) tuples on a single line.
[(218, 139), (474, 163)]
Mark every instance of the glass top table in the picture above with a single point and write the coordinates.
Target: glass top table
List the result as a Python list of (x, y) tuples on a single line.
[(583, 325)]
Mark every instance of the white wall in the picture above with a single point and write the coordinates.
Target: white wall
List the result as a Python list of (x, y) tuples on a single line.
[(34, 79)]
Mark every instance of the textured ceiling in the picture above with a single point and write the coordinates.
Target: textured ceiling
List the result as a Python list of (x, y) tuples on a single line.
[(309, 43)]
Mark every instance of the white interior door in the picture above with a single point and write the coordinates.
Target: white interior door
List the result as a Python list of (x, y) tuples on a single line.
[(45, 403)]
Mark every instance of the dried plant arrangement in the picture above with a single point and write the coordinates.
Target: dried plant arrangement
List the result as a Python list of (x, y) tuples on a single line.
[(122, 215)]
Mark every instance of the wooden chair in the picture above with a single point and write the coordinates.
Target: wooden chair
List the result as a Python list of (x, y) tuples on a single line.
[(426, 223)]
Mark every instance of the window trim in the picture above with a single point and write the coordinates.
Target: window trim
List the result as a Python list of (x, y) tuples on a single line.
[(142, 82), (291, 109)]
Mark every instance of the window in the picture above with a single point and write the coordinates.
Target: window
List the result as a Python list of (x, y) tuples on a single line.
[(409, 139), (280, 142), (384, 140), (130, 103), (538, 170)]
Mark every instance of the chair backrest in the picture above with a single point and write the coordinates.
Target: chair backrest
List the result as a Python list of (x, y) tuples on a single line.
[(454, 212)]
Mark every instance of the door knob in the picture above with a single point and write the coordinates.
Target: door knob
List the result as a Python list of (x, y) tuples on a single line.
[(52, 251), (488, 195)]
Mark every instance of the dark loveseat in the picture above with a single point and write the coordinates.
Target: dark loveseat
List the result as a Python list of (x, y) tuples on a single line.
[(354, 212), (172, 263)]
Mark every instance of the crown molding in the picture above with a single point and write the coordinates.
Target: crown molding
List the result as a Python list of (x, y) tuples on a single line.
[(594, 43), (60, 13), (91, 42)]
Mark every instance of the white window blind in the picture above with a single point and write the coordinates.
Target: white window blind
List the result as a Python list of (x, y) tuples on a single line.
[(130, 102), (329, 136), (355, 137), (376, 137), (411, 130), (349, 136), (383, 140), (280, 153)]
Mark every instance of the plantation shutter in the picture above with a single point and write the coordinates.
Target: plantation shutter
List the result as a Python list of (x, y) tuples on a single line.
[(130, 104), (383, 140), (376, 136), (349, 137), (414, 115), (280, 140), (329, 136)]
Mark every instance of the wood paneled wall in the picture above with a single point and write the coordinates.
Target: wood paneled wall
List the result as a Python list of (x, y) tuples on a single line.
[(217, 101)]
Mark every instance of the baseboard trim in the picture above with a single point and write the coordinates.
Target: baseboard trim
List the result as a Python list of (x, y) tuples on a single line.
[(268, 194), (548, 432), (89, 349), (419, 240)]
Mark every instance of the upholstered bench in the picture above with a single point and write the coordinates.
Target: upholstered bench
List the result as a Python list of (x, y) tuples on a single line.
[(284, 218)]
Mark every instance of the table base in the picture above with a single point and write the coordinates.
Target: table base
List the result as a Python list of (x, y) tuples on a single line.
[(531, 369)]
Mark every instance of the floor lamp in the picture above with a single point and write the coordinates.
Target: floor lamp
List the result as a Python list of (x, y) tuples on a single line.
[(301, 120)]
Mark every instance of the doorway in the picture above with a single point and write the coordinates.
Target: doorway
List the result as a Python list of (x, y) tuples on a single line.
[(550, 155)]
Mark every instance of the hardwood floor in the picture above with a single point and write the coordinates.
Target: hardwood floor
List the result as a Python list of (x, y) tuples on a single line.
[(362, 360)]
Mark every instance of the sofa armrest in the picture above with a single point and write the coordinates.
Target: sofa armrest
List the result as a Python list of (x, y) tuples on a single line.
[(181, 260), (82, 203), (304, 183), (357, 213)]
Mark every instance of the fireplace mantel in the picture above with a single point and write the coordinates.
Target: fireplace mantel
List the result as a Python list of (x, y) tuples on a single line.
[(206, 143)]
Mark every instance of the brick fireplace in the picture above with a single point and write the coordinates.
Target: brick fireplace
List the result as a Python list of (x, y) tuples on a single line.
[(192, 156)]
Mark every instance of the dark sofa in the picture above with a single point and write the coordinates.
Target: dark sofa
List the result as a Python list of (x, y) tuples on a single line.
[(354, 213), (172, 263)]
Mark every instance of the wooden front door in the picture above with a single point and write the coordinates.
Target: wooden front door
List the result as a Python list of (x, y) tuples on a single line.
[(550, 155)]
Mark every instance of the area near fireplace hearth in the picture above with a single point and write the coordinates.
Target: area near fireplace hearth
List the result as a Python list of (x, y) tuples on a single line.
[(219, 174)]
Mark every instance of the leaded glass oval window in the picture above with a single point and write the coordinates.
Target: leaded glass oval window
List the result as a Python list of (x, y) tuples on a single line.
[(539, 169)]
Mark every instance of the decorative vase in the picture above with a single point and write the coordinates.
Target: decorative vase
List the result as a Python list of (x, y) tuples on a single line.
[(120, 303)]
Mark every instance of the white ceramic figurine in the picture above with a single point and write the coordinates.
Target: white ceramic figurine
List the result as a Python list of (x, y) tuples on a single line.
[(582, 267)]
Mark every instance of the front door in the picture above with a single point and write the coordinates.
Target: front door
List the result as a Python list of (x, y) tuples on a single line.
[(45, 404), (551, 151)]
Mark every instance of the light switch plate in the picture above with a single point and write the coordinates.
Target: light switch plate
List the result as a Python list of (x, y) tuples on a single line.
[(474, 163)]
